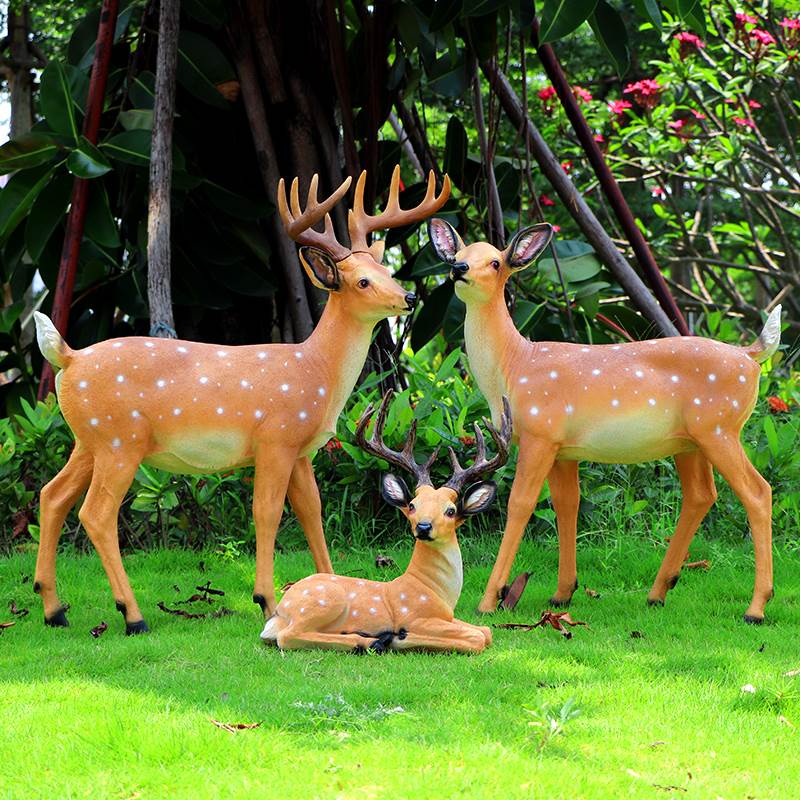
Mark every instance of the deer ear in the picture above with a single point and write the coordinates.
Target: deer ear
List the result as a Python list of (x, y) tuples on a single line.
[(376, 249), (477, 498), (445, 240), (527, 245), (394, 491), (320, 268)]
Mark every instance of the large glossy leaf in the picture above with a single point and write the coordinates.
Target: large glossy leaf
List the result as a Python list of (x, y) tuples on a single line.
[(130, 147), (577, 268), (27, 151), (480, 8), (47, 211), (425, 262), (448, 77), (201, 66), (87, 161), (100, 226), (649, 9), (561, 17), (137, 119), (610, 31), (431, 315), (444, 12), (234, 204), (55, 99), (18, 195), (143, 90), (455, 152), (80, 51)]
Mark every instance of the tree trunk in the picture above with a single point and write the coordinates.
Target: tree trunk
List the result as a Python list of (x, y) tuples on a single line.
[(159, 216), (18, 70)]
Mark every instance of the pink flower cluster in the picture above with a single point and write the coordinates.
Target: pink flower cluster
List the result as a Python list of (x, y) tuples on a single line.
[(582, 94), (618, 108), (547, 96), (755, 39), (683, 126), (645, 92), (689, 44), (791, 31)]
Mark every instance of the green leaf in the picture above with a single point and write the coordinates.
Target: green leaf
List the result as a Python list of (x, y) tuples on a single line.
[(236, 205), (649, 9), (444, 13), (10, 314), (610, 31), (201, 66), (431, 316), (100, 225), (17, 196), (130, 147), (47, 211), (80, 51), (455, 151), (448, 77), (87, 161), (561, 17), (27, 151), (573, 270), (55, 99), (209, 12), (137, 119), (143, 90)]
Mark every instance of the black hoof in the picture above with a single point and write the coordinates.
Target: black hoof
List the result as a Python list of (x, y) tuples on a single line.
[(751, 620), (359, 650), (260, 601), (655, 602), (556, 603), (58, 620), (135, 628), (383, 642)]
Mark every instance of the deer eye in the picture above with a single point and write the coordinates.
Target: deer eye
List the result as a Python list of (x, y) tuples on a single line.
[(411, 508), (363, 283), (451, 512), (496, 264)]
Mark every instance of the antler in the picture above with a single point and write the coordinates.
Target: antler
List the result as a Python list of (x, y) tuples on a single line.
[(481, 466), (375, 445), (299, 224), (360, 224)]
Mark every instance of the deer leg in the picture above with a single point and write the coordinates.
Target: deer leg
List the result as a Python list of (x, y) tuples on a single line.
[(536, 457), (443, 636), (292, 639), (728, 457), (273, 468), (699, 494), (111, 479), (55, 501), (304, 498), (565, 492)]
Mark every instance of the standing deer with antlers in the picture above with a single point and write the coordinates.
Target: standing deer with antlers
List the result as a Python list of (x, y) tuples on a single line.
[(414, 611), (684, 397), (189, 407)]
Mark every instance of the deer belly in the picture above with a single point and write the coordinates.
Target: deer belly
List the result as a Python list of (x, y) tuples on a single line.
[(197, 453), (626, 440)]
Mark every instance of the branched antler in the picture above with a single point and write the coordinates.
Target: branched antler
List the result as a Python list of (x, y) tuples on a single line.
[(361, 224), (482, 466), (403, 458), (299, 224)]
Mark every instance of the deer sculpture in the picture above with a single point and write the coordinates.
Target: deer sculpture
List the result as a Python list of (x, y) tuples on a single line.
[(686, 397), (414, 611), (194, 408)]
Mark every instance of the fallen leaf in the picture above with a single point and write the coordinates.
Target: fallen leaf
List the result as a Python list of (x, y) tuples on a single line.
[(99, 630), (556, 620), (704, 564), (195, 598), (637, 635), (288, 585), (592, 593), (18, 612), (382, 561), (4, 625), (232, 727), (179, 612), (512, 593), (669, 788), (657, 744), (206, 588), (792, 673)]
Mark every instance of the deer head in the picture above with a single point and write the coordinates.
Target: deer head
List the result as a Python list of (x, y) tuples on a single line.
[(355, 273), (480, 271), (435, 514)]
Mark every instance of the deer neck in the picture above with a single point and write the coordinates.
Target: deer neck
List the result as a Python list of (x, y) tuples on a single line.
[(439, 568), (493, 344), (339, 345)]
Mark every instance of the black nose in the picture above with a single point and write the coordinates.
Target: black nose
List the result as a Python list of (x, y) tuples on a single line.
[(424, 530), (411, 300), (460, 268)]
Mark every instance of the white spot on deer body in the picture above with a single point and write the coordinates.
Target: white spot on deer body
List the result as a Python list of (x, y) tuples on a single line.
[(545, 349), (89, 351), (534, 411), (244, 383), (553, 374), (323, 602), (674, 378), (94, 422), (120, 379), (423, 598), (735, 404), (354, 613), (298, 354), (262, 355), (302, 610), (181, 349), (718, 430), (742, 379), (135, 414), (161, 383), (116, 442), (285, 363), (321, 391), (303, 415), (404, 610), (569, 409), (615, 402), (259, 413), (83, 384), (402, 595), (118, 344), (595, 372), (203, 379), (360, 583), (652, 401), (284, 387), (176, 411), (352, 595), (712, 377), (524, 379), (639, 373), (220, 410), (697, 401), (222, 353), (306, 592), (149, 344), (615, 347)]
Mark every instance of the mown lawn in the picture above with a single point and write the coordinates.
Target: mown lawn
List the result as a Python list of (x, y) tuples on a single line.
[(662, 713)]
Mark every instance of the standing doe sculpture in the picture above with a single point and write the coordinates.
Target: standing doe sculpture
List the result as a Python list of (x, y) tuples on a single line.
[(415, 610), (684, 397), (194, 408)]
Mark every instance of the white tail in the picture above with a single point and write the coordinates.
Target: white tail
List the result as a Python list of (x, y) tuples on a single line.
[(769, 339), (51, 343)]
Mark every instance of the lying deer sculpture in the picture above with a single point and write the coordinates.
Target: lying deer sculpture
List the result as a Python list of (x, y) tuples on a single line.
[(414, 611), (195, 408), (685, 397)]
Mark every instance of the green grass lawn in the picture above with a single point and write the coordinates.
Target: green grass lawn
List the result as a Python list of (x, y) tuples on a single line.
[(662, 714)]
